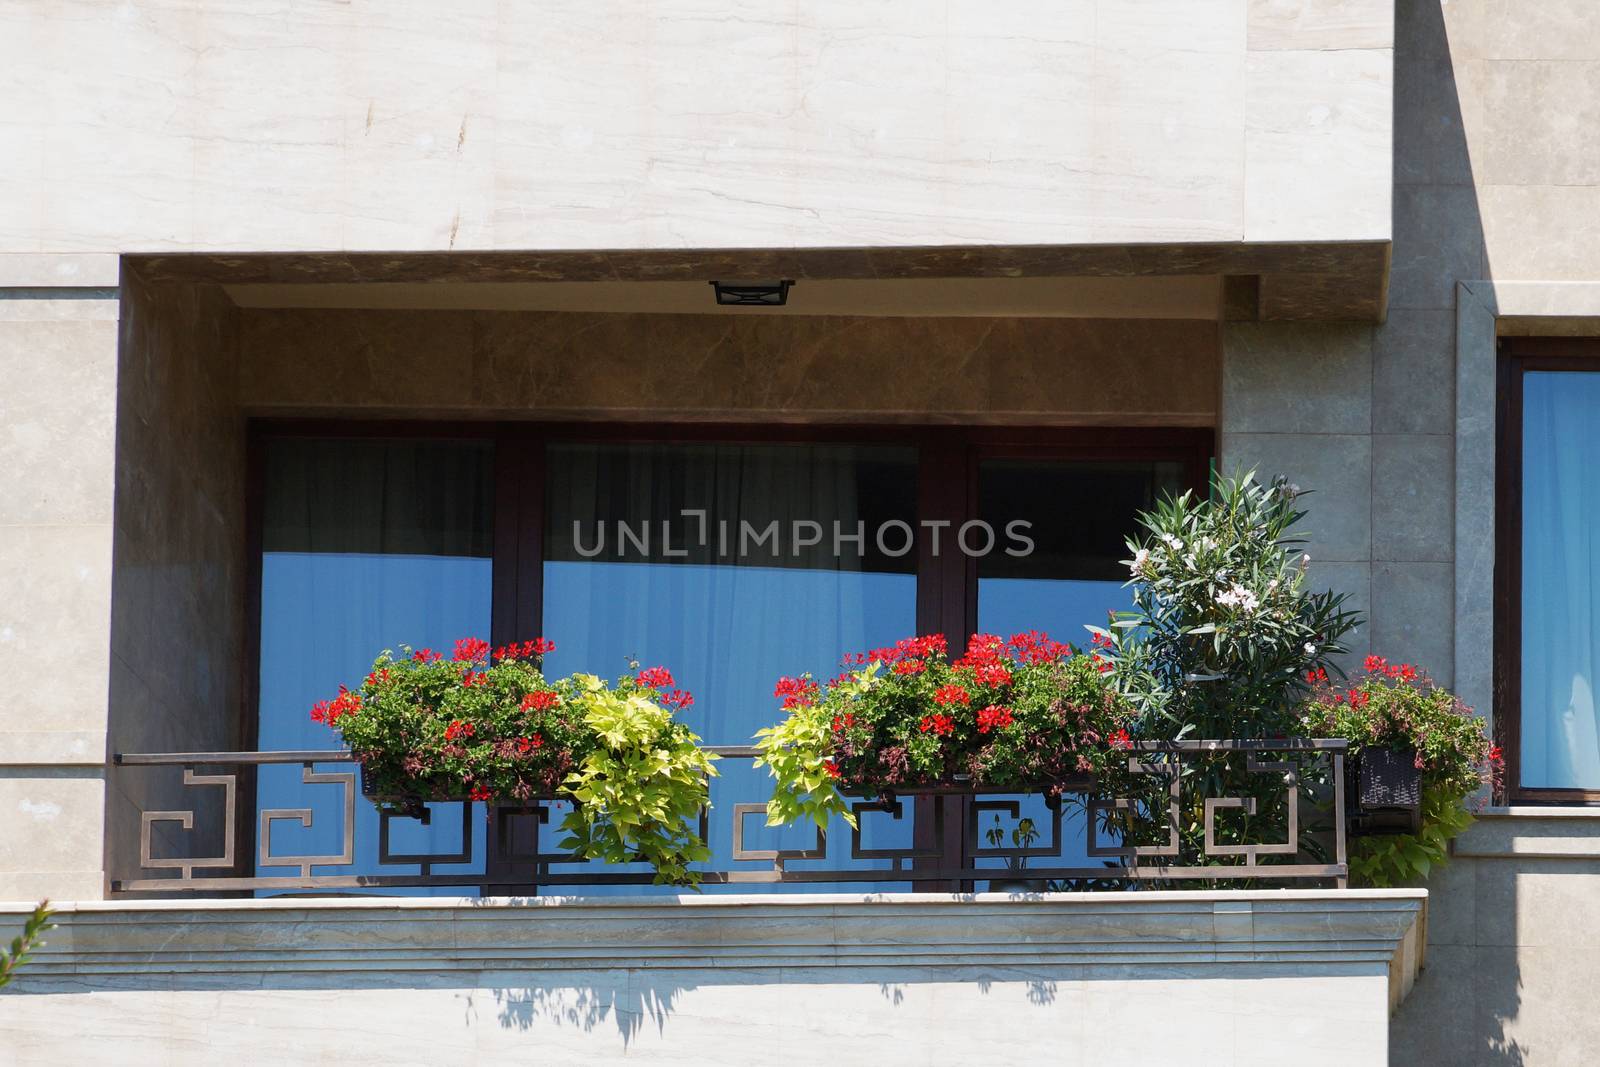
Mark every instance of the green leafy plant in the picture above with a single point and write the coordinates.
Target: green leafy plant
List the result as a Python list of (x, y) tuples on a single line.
[(487, 725), (1023, 714), (637, 790), (23, 945), (1223, 629), (1397, 706), (1023, 835)]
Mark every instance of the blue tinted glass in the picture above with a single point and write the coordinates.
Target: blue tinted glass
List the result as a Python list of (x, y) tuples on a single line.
[(1560, 737), (719, 562), (1077, 515), (367, 545)]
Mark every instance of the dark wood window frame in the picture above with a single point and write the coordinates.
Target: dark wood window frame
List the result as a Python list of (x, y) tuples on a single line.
[(1517, 356), (947, 481)]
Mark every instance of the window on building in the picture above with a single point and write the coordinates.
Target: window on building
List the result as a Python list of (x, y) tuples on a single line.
[(1549, 570), (733, 556)]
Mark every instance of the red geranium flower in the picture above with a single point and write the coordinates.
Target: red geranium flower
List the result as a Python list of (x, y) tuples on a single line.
[(1120, 739), (937, 724), (540, 700), (993, 717), (951, 694), (655, 678), (910, 666), (471, 650), (678, 698), (992, 675)]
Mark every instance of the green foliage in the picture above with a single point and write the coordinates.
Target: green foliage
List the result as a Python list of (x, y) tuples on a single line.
[(1022, 714), (798, 753), (638, 790), (23, 945), (490, 727), (1399, 707), (1223, 631), (1382, 861)]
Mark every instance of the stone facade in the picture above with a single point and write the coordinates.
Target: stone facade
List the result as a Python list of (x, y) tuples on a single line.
[(200, 205)]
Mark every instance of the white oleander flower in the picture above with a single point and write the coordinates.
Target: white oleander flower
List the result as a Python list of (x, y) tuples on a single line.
[(1238, 597), (1141, 559)]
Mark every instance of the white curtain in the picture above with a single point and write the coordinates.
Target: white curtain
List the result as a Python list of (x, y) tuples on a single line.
[(1560, 579)]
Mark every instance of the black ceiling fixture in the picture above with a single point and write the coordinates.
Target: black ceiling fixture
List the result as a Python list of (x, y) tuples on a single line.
[(753, 294)]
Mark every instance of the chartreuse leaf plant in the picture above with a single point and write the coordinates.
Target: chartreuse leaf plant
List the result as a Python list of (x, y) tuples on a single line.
[(1025, 713), (638, 790), (1397, 706), (487, 725)]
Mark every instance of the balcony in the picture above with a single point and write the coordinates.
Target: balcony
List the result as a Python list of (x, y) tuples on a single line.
[(950, 848)]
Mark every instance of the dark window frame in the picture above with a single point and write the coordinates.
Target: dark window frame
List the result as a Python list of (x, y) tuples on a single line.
[(1517, 356), (947, 489)]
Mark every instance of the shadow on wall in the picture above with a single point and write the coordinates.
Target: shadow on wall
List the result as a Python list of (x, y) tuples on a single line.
[(1463, 1004), (640, 997)]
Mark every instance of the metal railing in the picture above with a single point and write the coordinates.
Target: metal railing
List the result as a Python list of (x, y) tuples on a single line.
[(1169, 832)]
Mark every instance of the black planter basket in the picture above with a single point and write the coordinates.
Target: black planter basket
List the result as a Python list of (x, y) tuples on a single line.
[(410, 805), (1383, 791)]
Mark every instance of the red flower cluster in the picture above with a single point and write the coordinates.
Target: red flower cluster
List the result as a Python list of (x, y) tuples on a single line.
[(993, 717), (982, 650), (678, 699), (526, 745), (539, 646), (1316, 676), (540, 700), (951, 694), (992, 675), (474, 678), (844, 722), (471, 650), (655, 678), (1379, 665), (378, 677), (905, 648), (480, 793), (937, 724), (1101, 664), (426, 655), (1035, 646), (1120, 739), (331, 711), (796, 692), (1101, 640), (458, 729), (910, 666)]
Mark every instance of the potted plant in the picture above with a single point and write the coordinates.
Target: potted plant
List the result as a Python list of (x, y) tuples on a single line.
[(1023, 835), (1024, 714), (487, 725), (1421, 757)]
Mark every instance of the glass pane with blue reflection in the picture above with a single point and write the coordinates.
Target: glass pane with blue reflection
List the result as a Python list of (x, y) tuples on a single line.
[(1078, 515), (366, 545), (1560, 735), (721, 562)]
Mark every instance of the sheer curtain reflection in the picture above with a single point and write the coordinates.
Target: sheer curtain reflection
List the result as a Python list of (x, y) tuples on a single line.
[(1560, 739), (746, 587), (367, 545)]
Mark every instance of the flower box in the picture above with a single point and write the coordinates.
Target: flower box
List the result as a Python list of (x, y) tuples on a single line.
[(1385, 792)]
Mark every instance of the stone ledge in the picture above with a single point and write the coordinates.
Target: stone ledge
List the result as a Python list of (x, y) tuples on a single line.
[(1222, 978), (1315, 929)]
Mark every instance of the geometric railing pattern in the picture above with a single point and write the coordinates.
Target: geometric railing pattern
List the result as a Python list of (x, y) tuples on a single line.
[(1254, 829)]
